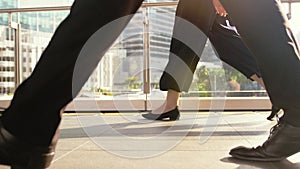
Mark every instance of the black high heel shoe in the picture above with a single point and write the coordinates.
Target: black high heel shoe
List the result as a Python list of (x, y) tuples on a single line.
[(20, 155), (274, 113), (170, 115)]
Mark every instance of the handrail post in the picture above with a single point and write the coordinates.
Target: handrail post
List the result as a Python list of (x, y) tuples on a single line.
[(16, 27), (146, 43)]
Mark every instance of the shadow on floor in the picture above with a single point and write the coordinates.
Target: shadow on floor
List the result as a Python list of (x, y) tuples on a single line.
[(172, 130)]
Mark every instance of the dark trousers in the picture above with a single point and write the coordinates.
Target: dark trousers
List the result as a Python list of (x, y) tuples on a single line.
[(198, 19), (34, 114), (263, 27)]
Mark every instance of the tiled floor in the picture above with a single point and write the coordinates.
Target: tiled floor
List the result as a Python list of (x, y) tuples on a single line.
[(197, 141)]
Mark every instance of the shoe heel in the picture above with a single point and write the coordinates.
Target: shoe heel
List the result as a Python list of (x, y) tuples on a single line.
[(174, 118), (174, 115)]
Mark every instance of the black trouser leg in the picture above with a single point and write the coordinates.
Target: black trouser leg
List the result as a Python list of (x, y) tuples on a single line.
[(231, 49), (263, 27), (34, 113), (192, 23), (185, 54)]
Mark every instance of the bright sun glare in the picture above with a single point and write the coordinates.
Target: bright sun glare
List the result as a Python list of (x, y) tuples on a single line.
[(295, 20)]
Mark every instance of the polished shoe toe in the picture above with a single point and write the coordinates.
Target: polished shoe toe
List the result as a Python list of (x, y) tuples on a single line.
[(253, 154), (284, 141)]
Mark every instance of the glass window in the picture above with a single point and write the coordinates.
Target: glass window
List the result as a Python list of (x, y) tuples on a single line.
[(43, 3)]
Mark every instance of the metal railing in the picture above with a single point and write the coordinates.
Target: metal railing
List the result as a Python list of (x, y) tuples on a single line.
[(64, 8)]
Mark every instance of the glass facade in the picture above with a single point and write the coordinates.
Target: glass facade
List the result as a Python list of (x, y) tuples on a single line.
[(36, 29), (6, 4)]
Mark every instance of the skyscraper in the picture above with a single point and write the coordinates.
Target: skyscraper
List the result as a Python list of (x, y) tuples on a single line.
[(36, 28)]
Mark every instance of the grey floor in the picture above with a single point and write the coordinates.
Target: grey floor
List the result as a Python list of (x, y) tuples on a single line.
[(197, 141)]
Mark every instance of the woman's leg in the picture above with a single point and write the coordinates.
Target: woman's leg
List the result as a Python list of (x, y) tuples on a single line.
[(170, 103), (231, 49), (192, 24)]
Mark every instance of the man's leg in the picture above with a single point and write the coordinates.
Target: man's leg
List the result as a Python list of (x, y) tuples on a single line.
[(264, 29), (231, 49), (34, 113)]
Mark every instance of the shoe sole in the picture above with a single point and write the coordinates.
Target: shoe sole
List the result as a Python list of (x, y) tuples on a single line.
[(163, 119), (258, 159), (41, 161)]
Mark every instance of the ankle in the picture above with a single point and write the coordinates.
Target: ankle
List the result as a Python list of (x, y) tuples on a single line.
[(170, 107)]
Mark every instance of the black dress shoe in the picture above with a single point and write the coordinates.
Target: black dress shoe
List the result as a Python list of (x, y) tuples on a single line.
[(20, 155), (170, 115), (284, 141)]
